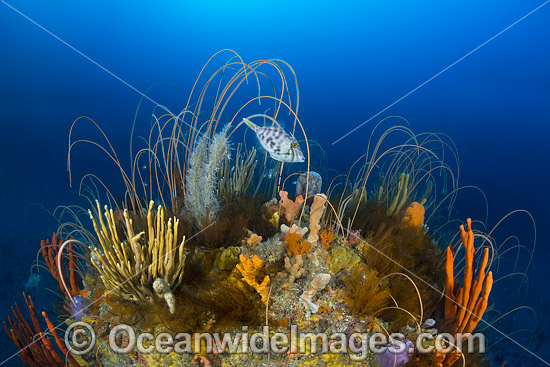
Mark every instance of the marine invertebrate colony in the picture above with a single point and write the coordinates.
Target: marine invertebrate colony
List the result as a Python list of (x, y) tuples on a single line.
[(316, 212), (313, 184), (294, 239), (40, 353), (318, 283), (249, 268), (201, 179), (414, 215), (466, 309), (289, 208), (129, 268), (55, 263), (235, 180)]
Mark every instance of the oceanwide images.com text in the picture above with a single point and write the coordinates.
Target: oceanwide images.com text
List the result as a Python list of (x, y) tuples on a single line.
[(80, 339)]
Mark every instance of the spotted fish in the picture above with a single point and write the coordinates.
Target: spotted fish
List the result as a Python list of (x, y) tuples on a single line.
[(280, 145)]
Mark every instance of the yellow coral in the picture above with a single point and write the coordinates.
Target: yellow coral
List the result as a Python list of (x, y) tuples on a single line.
[(342, 258), (274, 219), (249, 269)]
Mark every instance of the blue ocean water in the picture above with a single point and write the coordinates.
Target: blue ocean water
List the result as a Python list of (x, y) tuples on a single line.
[(61, 60)]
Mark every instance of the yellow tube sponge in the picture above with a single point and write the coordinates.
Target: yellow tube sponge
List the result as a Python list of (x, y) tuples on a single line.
[(129, 263)]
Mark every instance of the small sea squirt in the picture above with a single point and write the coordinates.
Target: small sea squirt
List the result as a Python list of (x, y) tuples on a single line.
[(313, 183), (78, 306)]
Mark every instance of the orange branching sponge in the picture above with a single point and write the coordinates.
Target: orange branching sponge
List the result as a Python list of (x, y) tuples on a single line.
[(35, 348), (414, 215), (249, 269), (59, 341), (467, 308), (445, 360), (464, 309), (50, 251), (289, 208)]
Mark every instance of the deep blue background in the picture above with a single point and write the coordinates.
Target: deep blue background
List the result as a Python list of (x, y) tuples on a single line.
[(351, 59)]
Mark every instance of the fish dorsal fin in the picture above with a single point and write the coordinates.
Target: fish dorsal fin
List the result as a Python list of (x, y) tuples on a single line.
[(250, 124)]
